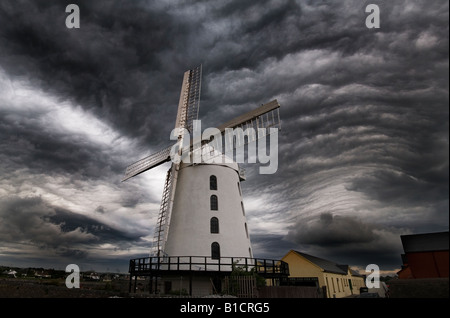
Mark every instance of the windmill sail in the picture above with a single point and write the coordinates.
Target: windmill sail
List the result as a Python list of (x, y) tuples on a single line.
[(159, 236), (189, 103), (188, 107), (258, 120), (147, 163), (187, 111), (256, 114)]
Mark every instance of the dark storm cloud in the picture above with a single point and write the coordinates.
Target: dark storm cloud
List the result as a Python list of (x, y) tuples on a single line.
[(69, 221), (104, 65), (331, 231), (349, 239), (364, 140), (39, 150), (28, 220), (31, 225), (34, 220), (271, 245)]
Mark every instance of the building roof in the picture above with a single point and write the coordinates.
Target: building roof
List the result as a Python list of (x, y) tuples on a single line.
[(425, 242), (355, 273), (326, 265)]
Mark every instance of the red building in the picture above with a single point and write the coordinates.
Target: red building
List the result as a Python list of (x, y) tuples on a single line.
[(426, 255)]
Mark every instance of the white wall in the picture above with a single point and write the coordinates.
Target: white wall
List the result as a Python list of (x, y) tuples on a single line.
[(189, 232)]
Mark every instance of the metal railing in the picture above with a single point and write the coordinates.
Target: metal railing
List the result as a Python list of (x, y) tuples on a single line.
[(158, 265)]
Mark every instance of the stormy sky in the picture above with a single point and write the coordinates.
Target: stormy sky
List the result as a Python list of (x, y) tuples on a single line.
[(363, 150)]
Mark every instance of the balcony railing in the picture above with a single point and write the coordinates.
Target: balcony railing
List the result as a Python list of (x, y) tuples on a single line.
[(155, 266)]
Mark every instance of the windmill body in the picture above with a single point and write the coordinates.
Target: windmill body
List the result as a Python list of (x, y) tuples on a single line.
[(208, 216)]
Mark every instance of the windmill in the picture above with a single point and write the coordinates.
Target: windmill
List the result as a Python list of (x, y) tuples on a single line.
[(202, 212)]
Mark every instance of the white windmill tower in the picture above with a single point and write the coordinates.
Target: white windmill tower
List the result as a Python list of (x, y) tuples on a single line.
[(202, 211)]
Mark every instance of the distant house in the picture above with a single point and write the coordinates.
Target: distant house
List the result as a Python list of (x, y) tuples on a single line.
[(10, 273), (42, 274), (92, 276), (336, 280), (426, 255)]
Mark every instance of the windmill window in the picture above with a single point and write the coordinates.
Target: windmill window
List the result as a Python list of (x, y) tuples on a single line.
[(213, 202), (214, 224), (215, 250), (212, 183)]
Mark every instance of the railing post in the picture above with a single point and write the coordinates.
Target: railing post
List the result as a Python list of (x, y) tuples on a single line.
[(132, 268)]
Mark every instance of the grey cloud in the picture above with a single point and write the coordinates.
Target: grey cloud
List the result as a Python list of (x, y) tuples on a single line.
[(29, 220), (329, 231), (33, 221), (96, 67), (271, 245), (72, 253), (403, 189), (69, 221), (348, 240), (26, 140)]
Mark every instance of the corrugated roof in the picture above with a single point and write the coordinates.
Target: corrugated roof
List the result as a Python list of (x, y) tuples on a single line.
[(425, 242), (326, 265)]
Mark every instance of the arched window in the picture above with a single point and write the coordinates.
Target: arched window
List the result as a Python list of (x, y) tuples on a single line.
[(212, 183), (215, 250), (214, 203), (214, 224)]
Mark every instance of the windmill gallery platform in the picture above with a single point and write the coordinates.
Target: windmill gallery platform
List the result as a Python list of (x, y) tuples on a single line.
[(201, 274)]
